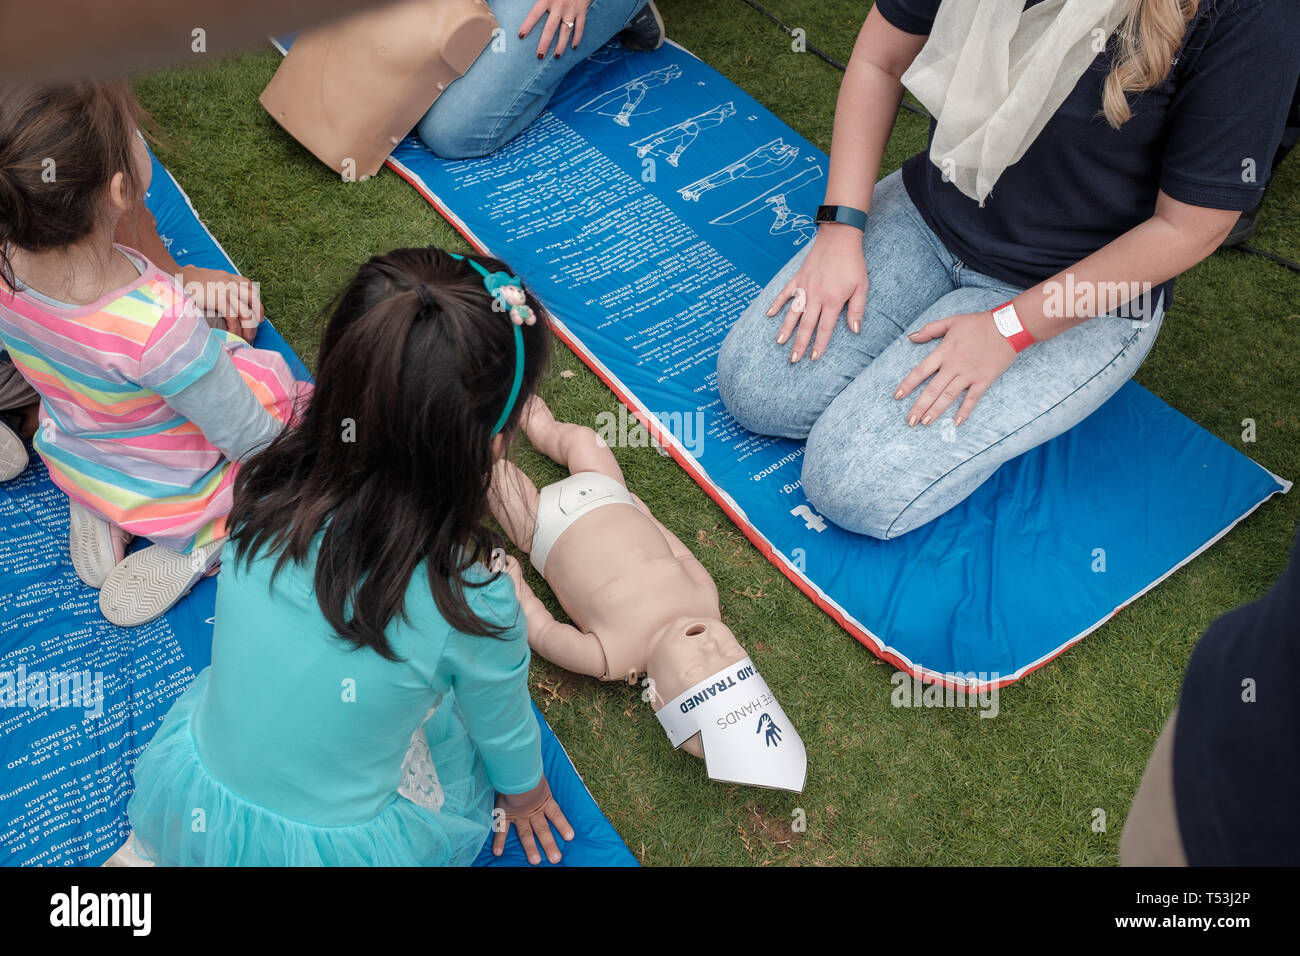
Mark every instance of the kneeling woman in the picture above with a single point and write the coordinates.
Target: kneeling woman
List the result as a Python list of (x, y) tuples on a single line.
[(1005, 285)]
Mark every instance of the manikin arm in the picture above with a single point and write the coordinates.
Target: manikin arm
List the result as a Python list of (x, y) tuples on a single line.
[(513, 497), (561, 644)]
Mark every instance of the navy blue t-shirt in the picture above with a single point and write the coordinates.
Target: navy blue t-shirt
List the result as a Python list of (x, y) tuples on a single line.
[(1198, 136), (1237, 737)]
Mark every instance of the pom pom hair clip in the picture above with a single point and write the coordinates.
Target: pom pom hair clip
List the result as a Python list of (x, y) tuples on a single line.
[(506, 291)]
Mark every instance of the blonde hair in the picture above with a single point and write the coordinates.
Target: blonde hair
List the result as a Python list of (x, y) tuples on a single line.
[(1149, 39)]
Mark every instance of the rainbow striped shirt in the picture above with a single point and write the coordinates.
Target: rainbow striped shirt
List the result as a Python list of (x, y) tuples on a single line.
[(104, 372)]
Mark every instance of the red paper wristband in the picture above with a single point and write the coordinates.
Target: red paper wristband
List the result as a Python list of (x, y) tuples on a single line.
[(1009, 325)]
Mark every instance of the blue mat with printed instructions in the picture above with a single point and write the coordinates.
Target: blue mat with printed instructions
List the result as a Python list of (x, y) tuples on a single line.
[(647, 207), (65, 776)]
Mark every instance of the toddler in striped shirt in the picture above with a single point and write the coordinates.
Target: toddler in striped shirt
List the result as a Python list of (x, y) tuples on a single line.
[(145, 411)]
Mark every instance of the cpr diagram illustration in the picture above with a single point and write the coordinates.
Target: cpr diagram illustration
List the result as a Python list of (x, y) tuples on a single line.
[(773, 204)]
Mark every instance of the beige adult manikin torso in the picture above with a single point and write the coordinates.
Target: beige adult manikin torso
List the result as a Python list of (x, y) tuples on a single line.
[(350, 90)]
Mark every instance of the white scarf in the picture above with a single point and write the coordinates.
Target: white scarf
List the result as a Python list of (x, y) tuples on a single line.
[(993, 73)]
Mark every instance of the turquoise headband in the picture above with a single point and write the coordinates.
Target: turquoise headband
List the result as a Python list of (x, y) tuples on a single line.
[(507, 296)]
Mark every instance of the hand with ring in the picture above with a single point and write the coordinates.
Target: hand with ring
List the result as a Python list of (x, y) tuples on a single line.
[(564, 22), (831, 279)]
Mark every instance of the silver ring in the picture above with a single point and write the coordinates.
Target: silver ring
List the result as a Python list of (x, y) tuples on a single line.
[(568, 23)]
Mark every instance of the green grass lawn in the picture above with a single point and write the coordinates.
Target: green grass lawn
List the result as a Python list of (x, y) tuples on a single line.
[(886, 785)]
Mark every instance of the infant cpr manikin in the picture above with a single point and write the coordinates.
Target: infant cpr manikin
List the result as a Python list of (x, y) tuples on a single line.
[(641, 604)]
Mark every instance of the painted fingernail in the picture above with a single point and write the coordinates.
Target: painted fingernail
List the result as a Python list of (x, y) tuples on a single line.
[(911, 421), (925, 420), (816, 355), (898, 394), (856, 326), (780, 339), (794, 357), (958, 420), (541, 56)]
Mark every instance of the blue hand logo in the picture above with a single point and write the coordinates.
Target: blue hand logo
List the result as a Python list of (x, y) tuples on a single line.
[(773, 731)]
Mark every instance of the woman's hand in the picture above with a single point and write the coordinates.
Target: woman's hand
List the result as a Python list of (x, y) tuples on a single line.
[(529, 812), (227, 294), (563, 25), (970, 358), (833, 274)]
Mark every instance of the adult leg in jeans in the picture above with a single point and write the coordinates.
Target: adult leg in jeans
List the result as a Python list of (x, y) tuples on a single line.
[(505, 90), (867, 471), (907, 268)]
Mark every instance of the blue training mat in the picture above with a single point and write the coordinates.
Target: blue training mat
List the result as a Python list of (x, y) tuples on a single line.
[(65, 776), (646, 236)]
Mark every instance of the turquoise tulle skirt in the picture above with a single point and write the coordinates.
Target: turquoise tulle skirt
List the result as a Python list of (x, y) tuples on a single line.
[(171, 782)]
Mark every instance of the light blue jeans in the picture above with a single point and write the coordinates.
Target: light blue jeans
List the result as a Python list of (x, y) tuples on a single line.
[(863, 467), (505, 90)]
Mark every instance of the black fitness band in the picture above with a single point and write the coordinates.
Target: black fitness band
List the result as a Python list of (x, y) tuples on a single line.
[(845, 214)]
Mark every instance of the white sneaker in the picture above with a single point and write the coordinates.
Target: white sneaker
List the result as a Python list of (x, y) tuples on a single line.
[(148, 583), (13, 453), (96, 545)]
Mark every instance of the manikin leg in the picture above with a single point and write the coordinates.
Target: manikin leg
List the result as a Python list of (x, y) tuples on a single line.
[(576, 447)]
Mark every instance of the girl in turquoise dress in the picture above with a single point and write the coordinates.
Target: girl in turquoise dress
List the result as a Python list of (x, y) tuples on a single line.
[(368, 686)]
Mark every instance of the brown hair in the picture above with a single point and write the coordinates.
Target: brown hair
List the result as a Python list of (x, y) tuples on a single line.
[(60, 146), (1149, 39)]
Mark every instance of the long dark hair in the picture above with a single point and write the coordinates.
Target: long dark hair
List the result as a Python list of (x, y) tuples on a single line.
[(60, 146), (392, 457)]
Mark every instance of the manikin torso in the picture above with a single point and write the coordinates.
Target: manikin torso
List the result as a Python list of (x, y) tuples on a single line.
[(615, 575)]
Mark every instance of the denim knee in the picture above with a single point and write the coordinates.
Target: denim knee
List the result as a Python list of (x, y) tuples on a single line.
[(736, 387), (842, 489), (745, 386), (455, 134)]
